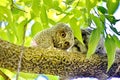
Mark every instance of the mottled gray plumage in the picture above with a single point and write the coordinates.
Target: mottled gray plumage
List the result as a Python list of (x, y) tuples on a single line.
[(59, 36), (78, 46)]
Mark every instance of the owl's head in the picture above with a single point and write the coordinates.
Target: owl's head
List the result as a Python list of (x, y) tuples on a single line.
[(64, 37)]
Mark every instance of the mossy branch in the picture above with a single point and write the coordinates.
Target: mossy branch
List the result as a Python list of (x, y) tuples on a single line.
[(55, 62)]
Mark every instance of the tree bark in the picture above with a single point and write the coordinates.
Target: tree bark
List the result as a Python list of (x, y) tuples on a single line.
[(56, 62)]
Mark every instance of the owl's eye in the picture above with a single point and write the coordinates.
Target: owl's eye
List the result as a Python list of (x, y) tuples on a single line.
[(63, 34), (67, 44)]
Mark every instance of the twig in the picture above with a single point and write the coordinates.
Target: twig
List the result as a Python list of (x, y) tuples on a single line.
[(101, 20), (77, 4), (13, 5), (21, 54)]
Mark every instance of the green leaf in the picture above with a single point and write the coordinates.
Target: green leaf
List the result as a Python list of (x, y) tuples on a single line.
[(3, 34), (77, 13), (36, 28), (98, 22), (15, 10), (36, 7), (32, 76), (102, 18), (4, 2), (111, 18), (20, 31), (94, 39), (111, 50), (48, 3), (115, 30), (95, 36), (27, 76), (102, 9), (90, 4), (43, 16), (69, 2), (1, 78), (55, 3), (104, 0), (6, 14), (59, 9), (27, 2), (27, 41), (5, 71), (11, 35), (65, 19), (117, 41), (51, 21), (112, 6), (76, 29)]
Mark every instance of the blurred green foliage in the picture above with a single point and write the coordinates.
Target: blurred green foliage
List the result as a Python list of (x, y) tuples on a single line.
[(25, 76), (32, 16)]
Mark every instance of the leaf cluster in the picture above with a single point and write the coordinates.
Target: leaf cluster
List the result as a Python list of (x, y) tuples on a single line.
[(32, 16)]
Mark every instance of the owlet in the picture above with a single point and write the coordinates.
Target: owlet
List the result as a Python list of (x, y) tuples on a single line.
[(59, 36)]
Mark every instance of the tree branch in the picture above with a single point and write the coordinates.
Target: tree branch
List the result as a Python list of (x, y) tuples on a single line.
[(55, 62)]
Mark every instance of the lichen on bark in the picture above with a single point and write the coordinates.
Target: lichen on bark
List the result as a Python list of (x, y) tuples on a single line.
[(55, 62)]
